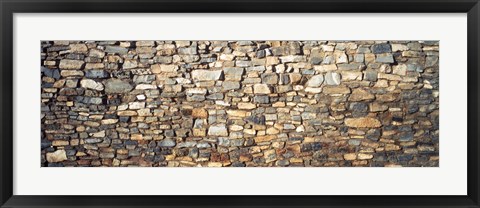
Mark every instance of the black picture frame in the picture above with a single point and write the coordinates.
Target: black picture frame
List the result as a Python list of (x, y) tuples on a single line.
[(10, 7)]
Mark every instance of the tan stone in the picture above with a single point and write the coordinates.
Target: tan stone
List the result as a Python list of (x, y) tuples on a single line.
[(200, 132), (336, 90), (360, 95), (70, 64), (60, 143), (247, 106), (350, 156), (57, 156), (126, 113), (364, 122), (136, 137), (265, 138), (109, 121), (261, 89), (363, 156), (71, 73), (199, 113), (238, 113)]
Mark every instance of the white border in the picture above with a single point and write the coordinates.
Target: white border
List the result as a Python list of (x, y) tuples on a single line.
[(449, 178)]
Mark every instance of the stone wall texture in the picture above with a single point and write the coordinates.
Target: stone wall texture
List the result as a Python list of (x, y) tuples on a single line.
[(240, 103)]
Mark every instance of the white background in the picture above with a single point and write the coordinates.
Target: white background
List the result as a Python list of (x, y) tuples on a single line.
[(448, 179)]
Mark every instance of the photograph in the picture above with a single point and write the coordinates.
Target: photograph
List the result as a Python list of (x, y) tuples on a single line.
[(239, 103)]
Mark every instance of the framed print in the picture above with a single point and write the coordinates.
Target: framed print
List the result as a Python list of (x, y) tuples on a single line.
[(245, 104)]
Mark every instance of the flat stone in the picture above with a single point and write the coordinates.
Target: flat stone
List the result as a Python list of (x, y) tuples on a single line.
[(114, 86), (332, 78), (199, 113), (167, 142), (384, 58), (247, 106), (71, 64), (116, 50), (360, 95), (365, 122), (270, 78), (315, 81), (230, 85), (261, 89), (57, 156), (370, 75), (336, 90), (91, 84), (96, 74), (206, 75), (233, 73), (217, 130), (381, 48)]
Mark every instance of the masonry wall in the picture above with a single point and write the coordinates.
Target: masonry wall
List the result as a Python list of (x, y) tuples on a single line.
[(239, 103)]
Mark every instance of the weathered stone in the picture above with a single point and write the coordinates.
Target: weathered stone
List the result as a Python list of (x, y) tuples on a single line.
[(361, 95), (365, 122), (332, 78), (91, 84), (336, 90), (206, 75), (384, 58), (234, 74), (381, 48), (315, 81), (57, 156), (217, 130), (71, 64), (113, 86), (261, 89), (95, 74)]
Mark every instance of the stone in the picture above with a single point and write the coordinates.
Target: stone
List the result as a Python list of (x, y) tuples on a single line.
[(370, 75), (230, 85), (96, 74), (261, 89), (246, 106), (332, 78), (361, 95), (71, 73), (336, 90), (384, 58), (57, 156), (114, 86), (381, 48), (130, 64), (217, 130), (315, 81), (71, 64), (91, 84), (269, 78), (116, 50), (233, 74), (199, 113), (206, 75), (365, 122), (167, 142)]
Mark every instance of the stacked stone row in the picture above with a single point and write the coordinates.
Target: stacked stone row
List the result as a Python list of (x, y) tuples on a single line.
[(239, 103)]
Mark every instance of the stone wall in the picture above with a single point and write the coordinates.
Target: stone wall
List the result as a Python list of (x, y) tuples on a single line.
[(239, 103)]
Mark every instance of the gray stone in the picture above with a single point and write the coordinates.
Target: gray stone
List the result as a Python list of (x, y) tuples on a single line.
[(167, 143), (384, 58), (315, 81), (332, 78), (188, 51), (218, 130), (116, 49), (262, 99), (370, 75), (206, 75), (145, 79), (96, 74), (381, 48), (270, 78), (230, 85), (113, 86)]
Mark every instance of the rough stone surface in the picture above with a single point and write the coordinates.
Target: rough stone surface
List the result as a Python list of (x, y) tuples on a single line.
[(239, 103)]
